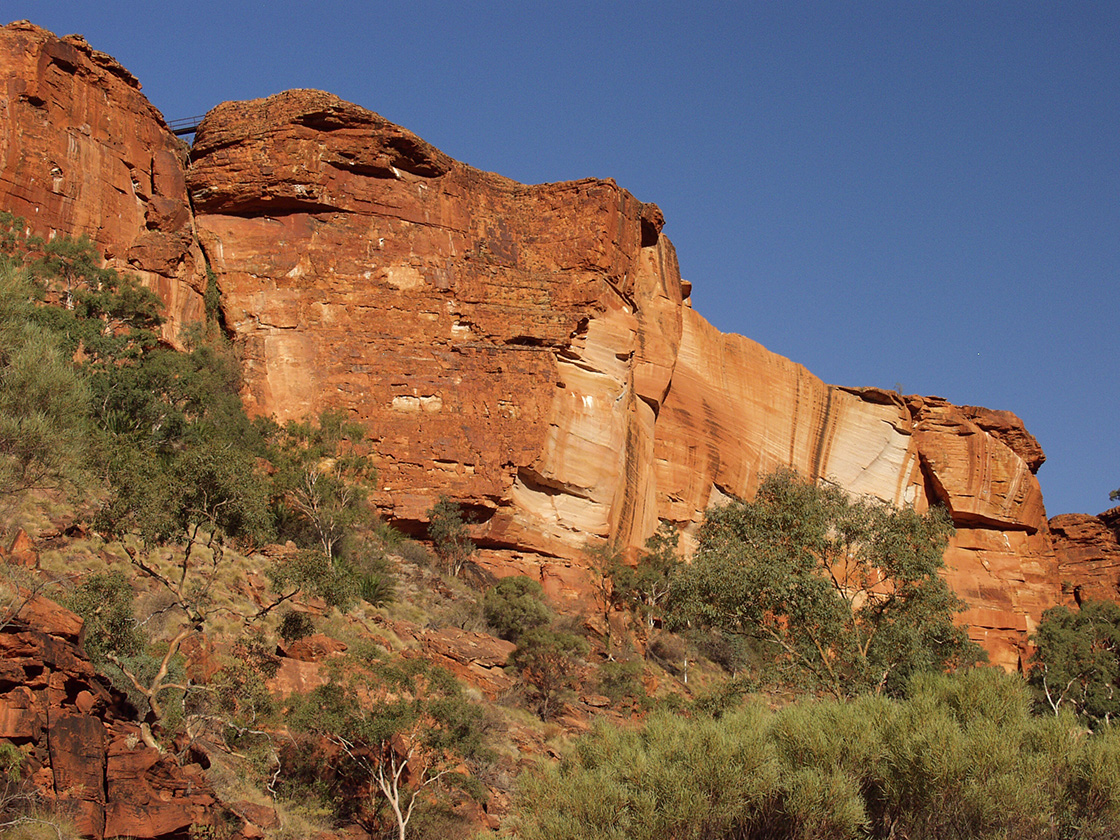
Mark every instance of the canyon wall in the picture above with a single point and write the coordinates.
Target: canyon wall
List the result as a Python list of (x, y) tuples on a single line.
[(530, 351), (83, 152)]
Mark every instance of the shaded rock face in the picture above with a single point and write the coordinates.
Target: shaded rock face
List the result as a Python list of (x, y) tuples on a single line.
[(81, 748), (82, 151), (1089, 554), (530, 351)]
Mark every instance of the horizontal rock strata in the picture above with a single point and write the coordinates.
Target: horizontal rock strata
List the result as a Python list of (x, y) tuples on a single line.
[(531, 352)]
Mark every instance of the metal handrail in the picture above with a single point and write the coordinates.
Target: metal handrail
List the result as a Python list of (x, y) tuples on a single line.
[(186, 125)]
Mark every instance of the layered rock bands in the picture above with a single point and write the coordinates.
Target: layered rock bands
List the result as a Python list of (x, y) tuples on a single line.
[(529, 351)]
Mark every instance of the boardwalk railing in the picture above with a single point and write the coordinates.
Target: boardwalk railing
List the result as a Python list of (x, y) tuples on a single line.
[(187, 125)]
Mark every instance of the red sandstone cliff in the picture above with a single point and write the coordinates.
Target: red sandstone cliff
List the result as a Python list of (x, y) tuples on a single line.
[(1089, 554), (82, 151), (528, 350)]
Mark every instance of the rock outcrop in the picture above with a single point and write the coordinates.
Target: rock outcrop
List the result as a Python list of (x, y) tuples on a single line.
[(83, 152), (530, 351), (1088, 549), (81, 748)]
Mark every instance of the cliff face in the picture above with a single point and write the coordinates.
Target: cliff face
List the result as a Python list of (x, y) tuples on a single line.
[(530, 351), (83, 152), (1089, 554)]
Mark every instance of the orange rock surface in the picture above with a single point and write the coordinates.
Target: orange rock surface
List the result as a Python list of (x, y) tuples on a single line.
[(82, 749), (1089, 554), (530, 351), (82, 151)]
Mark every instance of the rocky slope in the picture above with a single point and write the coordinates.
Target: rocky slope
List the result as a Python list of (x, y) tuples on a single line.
[(530, 351), (82, 749)]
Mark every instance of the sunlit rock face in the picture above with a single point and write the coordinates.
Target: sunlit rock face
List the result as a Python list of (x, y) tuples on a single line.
[(530, 351), (83, 152)]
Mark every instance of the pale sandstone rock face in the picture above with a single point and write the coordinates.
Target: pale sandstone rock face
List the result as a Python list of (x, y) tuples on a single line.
[(82, 151), (530, 351)]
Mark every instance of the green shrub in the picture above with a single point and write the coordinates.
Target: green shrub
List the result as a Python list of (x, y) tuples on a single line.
[(449, 534), (1076, 664), (846, 594), (514, 606), (295, 625), (105, 603), (960, 757), (548, 663), (413, 552), (618, 680)]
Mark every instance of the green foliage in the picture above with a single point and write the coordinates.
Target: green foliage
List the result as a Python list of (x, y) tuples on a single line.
[(548, 663), (645, 589), (322, 481), (413, 552), (962, 757), (377, 584), (450, 535), (1076, 664), (159, 699), (11, 761), (843, 595), (236, 703), (320, 489), (358, 573), (15, 240), (105, 603), (212, 297), (514, 606), (619, 680), (388, 717), (106, 315), (44, 403), (295, 625)]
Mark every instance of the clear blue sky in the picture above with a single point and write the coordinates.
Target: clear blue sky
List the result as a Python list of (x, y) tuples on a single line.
[(914, 193)]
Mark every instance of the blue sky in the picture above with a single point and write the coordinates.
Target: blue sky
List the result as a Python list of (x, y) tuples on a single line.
[(924, 194)]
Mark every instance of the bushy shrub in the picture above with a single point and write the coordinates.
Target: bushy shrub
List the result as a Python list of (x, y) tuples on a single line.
[(413, 552), (1076, 664), (514, 606), (845, 593), (295, 625), (618, 680), (450, 535), (548, 663), (960, 757), (105, 603)]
